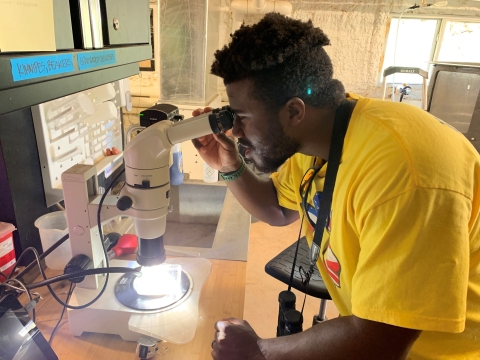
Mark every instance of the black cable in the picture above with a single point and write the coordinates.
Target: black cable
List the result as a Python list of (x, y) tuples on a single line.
[(58, 243), (45, 254), (22, 285), (54, 295), (296, 252), (100, 233), (58, 278), (301, 223), (20, 258), (306, 282), (42, 272), (70, 291)]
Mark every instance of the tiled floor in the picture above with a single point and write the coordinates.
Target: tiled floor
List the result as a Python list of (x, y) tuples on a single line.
[(261, 293)]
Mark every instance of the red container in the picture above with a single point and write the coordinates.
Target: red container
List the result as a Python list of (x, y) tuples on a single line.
[(7, 251)]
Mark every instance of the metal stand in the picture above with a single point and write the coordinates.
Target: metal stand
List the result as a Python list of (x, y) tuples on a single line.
[(407, 70), (321, 316)]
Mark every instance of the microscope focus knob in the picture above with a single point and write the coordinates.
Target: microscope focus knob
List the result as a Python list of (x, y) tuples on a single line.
[(77, 264), (124, 203)]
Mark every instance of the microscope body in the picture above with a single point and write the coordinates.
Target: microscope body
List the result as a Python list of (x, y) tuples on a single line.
[(144, 197)]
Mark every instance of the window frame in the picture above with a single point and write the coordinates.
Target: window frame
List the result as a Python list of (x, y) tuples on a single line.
[(436, 42)]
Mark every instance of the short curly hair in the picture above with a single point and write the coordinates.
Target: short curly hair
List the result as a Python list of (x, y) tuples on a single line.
[(284, 58)]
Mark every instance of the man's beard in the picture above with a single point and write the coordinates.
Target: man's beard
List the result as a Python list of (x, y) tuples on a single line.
[(272, 151)]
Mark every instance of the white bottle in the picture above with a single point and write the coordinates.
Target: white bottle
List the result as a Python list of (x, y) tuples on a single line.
[(210, 175)]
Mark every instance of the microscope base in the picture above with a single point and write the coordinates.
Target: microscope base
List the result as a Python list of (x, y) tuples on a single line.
[(109, 316)]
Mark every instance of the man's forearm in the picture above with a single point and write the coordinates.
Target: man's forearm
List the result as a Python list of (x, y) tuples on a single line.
[(259, 197), (342, 338)]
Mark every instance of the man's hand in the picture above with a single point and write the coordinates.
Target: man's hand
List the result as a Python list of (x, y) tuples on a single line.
[(218, 150), (235, 340)]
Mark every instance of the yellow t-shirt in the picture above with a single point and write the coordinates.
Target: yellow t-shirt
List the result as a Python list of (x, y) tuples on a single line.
[(402, 245)]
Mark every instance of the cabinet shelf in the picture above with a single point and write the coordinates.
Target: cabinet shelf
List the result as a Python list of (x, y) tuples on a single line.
[(122, 62)]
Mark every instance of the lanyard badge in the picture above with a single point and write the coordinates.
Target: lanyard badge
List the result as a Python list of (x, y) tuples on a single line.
[(340, 126)]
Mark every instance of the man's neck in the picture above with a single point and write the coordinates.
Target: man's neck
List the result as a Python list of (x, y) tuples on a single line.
[(317, 132)]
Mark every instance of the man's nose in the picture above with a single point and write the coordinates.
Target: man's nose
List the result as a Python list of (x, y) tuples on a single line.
[(237, 130)]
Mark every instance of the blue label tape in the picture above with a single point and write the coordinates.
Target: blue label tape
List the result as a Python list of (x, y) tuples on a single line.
[(40, 66), (95, 59)]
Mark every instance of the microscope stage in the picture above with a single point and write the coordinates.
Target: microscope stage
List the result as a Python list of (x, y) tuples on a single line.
[(126, 293)]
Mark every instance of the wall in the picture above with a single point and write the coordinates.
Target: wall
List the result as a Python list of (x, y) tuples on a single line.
[(357, 31)]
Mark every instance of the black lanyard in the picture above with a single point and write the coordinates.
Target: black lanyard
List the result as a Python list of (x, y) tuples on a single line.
[(340, 126)]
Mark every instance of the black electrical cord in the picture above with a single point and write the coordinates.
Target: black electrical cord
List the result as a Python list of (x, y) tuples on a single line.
[(100, 233), (110, 270), (22, 285), (70, 291), (10, 277), (45, 254), (42, 272), (295, 256), (76, 274), (58, 243), (37, 257)]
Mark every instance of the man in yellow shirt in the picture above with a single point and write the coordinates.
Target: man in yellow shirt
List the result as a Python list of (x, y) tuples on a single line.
[(401, 250)]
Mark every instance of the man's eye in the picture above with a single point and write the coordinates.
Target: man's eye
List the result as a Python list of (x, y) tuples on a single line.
[(238, 117)]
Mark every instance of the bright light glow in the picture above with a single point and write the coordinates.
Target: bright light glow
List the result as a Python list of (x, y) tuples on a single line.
[(309, 91), (160, 280)]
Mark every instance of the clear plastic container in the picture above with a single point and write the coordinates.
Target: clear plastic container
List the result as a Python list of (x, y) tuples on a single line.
[(210, 175), (53, 227)]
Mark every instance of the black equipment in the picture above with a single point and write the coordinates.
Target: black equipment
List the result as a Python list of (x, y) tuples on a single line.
[(20, 338)]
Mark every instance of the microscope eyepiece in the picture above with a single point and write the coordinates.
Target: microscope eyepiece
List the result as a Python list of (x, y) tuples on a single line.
[(221, 119)]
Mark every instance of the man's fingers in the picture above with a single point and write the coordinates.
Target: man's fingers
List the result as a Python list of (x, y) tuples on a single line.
[(220, 326), (201, 142), (207, 145), (217, 324), (214, 354), (225, 141), (210, 145), (197, 112), (235, 321), (197, 144)]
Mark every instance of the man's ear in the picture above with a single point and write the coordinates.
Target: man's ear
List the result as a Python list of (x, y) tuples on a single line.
[(296, 111)]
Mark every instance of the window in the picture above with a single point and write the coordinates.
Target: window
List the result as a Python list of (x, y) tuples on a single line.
[(414, 47), (417, 44), (460, 42)]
